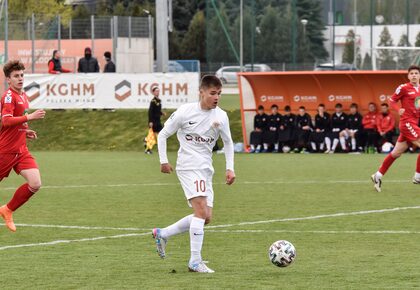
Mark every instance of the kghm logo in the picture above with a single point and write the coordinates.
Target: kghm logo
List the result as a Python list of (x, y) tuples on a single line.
[(33, 91), (123, 90), (411, 129)]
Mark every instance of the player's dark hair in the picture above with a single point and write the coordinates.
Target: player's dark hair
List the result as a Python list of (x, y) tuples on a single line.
[(338, 105), (11, 66), (384, 105), (107, 54), (354, 105), (54, 52), (414, 67), (260, 108), (321, 105), (372, 103), (274, 106), (287, 109), (208, 81), (302, 107)]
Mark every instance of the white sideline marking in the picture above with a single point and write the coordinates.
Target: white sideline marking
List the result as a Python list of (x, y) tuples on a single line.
[(72, 241), (81, 227), (364, 212), (315, 232), (315, 217), (215, 183)]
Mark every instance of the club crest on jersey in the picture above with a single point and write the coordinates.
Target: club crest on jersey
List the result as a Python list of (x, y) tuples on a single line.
[(216, 125), (417, 103), (8, 99)]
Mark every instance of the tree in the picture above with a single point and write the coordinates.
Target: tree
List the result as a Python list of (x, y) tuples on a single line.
[(386, 56), (194, 42), (367, 62), (417, 43), (312, 12), (404, 56), (267, 49), (348, 53)]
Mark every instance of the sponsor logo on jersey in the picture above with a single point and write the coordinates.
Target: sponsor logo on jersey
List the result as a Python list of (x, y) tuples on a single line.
[(191, 123), (199, 139)]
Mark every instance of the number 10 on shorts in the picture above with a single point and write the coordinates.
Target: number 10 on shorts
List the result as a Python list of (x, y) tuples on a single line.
[(200, 185)]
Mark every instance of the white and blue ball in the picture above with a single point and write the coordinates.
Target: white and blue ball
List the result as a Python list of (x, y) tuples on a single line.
[(282, 253)]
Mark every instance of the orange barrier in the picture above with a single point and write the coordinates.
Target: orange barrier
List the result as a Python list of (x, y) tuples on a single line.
[(310, 89)]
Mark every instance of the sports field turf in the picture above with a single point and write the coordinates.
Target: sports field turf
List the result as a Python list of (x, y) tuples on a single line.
[(367, 246)]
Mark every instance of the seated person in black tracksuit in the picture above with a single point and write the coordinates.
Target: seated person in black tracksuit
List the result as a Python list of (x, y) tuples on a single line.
[(286, 130), (271, 135), (353, 129), (338, 124), (260, 124), (322, 124), (303, 129)]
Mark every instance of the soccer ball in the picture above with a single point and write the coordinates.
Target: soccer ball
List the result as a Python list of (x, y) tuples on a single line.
[(282, 253), (286, 149)]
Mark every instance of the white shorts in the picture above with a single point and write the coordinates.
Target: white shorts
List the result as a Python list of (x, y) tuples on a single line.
[(198, 182)]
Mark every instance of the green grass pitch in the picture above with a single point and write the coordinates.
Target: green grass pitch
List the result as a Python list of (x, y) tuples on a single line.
[(106, 190)]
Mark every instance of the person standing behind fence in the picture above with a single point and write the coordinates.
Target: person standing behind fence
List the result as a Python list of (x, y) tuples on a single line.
[(110, 65), (88, 63), (54, 64)]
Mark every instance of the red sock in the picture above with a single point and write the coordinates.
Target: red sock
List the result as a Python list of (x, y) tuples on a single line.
[(418, 164), (21, 196), (386, 164)]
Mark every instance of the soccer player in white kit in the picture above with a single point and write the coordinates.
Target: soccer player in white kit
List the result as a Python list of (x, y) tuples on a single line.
[(198, 126)]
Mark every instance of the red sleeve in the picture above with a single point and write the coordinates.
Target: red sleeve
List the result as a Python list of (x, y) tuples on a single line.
[(366, 120), (393, 101), (391, 125), (8, 108), (64, 70), (379, 123), (51, 68)]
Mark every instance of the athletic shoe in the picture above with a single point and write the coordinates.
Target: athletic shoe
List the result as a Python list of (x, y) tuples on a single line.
[(416, 181), (377, 182), (199, 268), (160, 242), (327, 151), (6, 214)]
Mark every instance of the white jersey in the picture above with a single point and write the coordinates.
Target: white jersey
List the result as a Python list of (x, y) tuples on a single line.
[(197, 132)]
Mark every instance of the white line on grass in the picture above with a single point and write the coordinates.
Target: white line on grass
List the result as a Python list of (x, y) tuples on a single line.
[(340, 214), (72, 241), (315, 217), (216, 183), (385, 232)]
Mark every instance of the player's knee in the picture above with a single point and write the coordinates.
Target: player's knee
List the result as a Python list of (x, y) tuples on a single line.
[(34, 185), (396, 154)]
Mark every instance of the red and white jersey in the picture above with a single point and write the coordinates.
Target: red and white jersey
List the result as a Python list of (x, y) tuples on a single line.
[(13, 138), (409, 96)]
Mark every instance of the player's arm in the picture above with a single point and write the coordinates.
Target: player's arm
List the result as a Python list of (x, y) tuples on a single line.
[(229, 152), (7, 114), (171, 126), (393, 101), (51, 68)]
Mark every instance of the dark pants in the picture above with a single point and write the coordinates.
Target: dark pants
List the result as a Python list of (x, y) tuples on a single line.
[(256, 138)]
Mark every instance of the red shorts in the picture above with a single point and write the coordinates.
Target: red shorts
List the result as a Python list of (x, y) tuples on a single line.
[(15, 161), (409, 131)]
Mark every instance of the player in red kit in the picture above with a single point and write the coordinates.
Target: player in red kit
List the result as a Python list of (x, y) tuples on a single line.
[(14, 130), (409, 96)]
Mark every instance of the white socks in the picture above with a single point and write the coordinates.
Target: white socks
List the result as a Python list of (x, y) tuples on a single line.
[(353, 144), (417, 175), (335, 143), (179, 227), (196, 239), (343, 143), (313, 145), (378, 175), (265, 146), (328, 143)]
